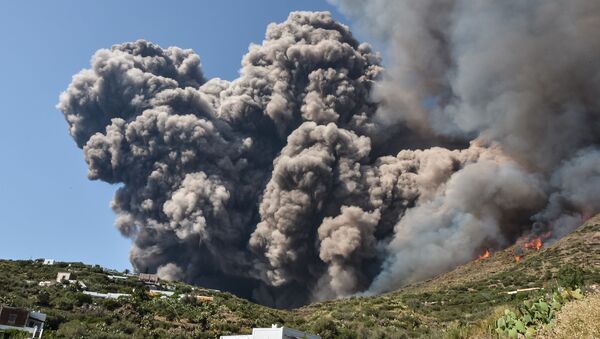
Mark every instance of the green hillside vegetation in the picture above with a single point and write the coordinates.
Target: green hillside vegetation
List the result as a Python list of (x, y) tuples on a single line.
[(72, 314), (467, 302)]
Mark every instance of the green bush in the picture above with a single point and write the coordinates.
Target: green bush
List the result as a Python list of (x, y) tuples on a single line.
[(571, 276), (140, 294), (111, 304), (327, 328), (14, 334), (533, 315), (43, 298), (65, 302), (82, 299)]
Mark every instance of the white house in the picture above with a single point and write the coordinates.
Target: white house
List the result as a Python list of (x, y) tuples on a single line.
[(273, 333), (18, 319), (63, 276), (49, 262)]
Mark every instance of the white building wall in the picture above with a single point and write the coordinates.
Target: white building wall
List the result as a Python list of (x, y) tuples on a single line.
[(267, 333), (274, 333)]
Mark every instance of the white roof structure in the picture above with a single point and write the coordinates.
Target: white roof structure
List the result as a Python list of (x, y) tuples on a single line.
[(273, 332), (106, 295), (38, 315), (116, 277)]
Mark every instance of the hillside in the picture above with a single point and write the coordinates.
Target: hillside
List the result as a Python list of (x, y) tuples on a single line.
[(447, 305), (73, 314), (470, 293)]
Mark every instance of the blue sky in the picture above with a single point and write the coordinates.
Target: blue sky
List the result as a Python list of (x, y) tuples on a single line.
[(48, 208)]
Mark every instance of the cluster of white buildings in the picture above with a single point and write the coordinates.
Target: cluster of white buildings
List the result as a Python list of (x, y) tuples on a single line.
[(33, 322), (62, 277)]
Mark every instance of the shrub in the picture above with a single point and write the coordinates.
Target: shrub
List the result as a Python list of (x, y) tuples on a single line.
[(73, 329), (534, 314), (111, 304), (140, 294), (327, 328), (82, 299), (65, 302), (189, 300), (43, 298), (10, 333), (571, 276)]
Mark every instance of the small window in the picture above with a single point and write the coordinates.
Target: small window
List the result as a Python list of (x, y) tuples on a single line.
[(12, 318)]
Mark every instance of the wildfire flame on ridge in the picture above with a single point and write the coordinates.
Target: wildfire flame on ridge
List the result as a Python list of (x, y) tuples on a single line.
[(485, 255), (534, 243)]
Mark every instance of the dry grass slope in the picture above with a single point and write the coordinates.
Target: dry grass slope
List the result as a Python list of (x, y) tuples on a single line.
[(577, 320)]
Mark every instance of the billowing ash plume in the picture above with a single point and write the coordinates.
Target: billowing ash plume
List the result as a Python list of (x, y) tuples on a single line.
[(521, 77), (307, 177)]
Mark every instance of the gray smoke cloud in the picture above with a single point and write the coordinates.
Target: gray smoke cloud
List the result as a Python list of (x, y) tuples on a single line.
[(519, 77), (346, 241), (316, 174)]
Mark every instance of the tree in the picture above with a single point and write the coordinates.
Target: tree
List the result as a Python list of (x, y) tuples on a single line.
[(140, 293), (43, 298)]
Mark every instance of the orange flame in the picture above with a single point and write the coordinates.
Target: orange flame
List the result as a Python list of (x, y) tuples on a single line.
[(485, 255), (535, 243)]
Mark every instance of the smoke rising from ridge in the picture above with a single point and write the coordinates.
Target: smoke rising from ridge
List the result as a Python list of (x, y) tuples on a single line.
[(522, 77), (300, 180)]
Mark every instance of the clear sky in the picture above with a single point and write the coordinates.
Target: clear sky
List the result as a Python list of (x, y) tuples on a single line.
[(48, 207)]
